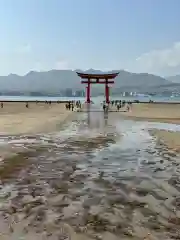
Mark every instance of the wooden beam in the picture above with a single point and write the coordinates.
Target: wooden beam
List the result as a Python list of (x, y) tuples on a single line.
[(95, 82)]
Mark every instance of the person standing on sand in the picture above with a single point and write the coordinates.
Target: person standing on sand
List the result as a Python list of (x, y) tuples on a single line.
[(77, 104), (128, 107), (104, 107), (2, 105), (118, 106), (69, 105), (107, 107), (66, 106)]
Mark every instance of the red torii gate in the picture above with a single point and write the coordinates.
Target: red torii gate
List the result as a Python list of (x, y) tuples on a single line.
[(99, 79)]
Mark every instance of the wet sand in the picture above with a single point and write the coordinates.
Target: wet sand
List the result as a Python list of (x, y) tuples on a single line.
[(170, 138), (156, 112), (15, 118), (99, 177)]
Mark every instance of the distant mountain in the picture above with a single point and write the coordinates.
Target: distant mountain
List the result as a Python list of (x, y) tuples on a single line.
[(127, 79), (55, 80), (175, 79)]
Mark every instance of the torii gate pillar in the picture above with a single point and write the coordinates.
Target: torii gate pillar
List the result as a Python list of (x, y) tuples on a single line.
[(107, 92), (88, 93)]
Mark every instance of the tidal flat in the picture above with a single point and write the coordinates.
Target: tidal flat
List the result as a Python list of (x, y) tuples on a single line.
[(105, 178)]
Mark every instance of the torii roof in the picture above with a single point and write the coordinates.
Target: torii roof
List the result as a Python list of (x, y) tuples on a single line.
[(97, 76)]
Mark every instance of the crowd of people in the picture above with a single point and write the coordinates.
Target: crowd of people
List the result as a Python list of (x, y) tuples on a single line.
[(70, 105), (118, 104)]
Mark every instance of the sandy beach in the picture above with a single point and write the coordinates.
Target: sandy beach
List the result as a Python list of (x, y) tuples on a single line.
[(15, 118), (156, 112), (169, 138)]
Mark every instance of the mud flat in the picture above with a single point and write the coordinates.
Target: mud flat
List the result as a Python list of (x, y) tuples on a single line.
[(15, 118), (156, 112), (50, 197), (87, 184)]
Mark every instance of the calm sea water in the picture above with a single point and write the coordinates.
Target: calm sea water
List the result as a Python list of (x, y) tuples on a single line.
[(95, 99)]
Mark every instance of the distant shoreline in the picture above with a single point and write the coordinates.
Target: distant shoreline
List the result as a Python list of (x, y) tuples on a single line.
[(55, 99), (66, 101), (34, 101)]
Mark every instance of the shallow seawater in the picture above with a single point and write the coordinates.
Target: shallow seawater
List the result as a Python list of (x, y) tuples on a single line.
[(99, 175)]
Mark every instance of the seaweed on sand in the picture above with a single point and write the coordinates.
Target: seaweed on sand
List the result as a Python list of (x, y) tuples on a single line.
[(12, 165)]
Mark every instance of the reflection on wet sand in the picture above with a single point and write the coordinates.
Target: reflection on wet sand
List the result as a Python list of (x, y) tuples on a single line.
[(105, 119), (100, 178), (96, 118)]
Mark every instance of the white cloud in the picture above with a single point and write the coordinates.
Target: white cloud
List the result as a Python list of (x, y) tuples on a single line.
[(160, 61)]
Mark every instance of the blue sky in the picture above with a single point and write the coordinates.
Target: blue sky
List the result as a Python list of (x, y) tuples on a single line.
[(136, 35)]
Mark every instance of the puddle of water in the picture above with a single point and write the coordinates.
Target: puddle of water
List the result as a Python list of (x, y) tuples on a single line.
[(161, 126)]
